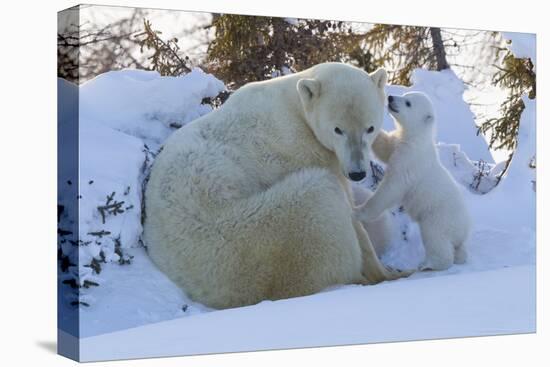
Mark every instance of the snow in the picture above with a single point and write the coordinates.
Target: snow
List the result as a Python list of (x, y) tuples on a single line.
[(440, 307), (291, 21), (116, 167), (515, 197), (134, 295), (136, 311), (124, 116), (144, 104), (479, 176)]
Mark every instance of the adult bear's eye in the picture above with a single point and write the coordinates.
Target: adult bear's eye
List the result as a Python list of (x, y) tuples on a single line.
[(408, 104), (338, 131), (370, 129)]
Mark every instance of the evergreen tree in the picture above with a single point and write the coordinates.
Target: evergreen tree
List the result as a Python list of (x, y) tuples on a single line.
[(518, 77), (166, 57), (405, 48), (250, 48)]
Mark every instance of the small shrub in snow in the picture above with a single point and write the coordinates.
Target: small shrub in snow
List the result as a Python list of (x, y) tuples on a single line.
[(166, 58), (252, 48)]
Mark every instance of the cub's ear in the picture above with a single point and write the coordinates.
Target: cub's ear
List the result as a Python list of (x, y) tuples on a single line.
[(379, 77), (308, 89)]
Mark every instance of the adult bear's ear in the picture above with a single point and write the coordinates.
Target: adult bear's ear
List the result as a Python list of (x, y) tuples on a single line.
[(308, 89), (380, 77)]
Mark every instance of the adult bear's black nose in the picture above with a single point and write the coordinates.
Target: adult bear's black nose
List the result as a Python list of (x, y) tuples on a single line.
[(390, 99), (357, 176)]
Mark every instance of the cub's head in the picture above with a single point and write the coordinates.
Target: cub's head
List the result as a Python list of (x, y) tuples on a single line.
[(344, 107), (413, 111)]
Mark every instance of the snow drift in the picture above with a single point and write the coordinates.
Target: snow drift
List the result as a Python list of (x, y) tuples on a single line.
[(124, 116)]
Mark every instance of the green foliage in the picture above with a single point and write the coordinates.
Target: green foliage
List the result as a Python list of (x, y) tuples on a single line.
[(70, 245), (111, 207), (250, 48), (165, 58), (405, 48), (518, 77)]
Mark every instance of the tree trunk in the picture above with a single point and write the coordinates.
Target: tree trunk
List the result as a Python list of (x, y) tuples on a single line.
[(439, 49), (277, 43)]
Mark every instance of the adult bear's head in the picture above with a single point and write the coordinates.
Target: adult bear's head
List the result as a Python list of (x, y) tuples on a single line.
[(344, 105)]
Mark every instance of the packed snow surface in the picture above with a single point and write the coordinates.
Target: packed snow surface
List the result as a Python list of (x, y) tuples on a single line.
[(440, 307), (135, 311)]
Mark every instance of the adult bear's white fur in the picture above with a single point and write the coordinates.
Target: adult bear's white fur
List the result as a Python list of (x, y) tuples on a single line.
[(250, 201), (416, 178)]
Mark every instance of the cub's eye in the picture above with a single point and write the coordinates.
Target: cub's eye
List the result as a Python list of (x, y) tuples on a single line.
[(370, 129), (338, 131), (408, 104)]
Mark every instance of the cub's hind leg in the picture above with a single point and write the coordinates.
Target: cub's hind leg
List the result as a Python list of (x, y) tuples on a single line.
[(460, 254), (439, 249)]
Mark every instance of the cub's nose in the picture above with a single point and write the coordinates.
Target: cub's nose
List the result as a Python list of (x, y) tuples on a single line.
[(357, 176), (390, 99)]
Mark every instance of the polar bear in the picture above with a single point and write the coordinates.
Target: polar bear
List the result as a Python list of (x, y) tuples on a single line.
[(252, 201), (381, 230), (415, 178)]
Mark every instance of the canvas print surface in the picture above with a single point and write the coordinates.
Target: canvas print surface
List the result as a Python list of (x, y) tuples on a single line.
[(237, 183)]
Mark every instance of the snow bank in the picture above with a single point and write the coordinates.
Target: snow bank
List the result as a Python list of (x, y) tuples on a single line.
[(478, 176), (514, 199), (144, 104), (124, 116), (512, 204)]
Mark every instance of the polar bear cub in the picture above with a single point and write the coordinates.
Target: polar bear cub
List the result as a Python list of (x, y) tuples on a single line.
[(416, 179)]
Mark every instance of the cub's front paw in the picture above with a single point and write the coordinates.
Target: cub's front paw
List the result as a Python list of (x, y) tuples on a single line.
[(360, 215), (364, 215), (425, 266), (435, 264)]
